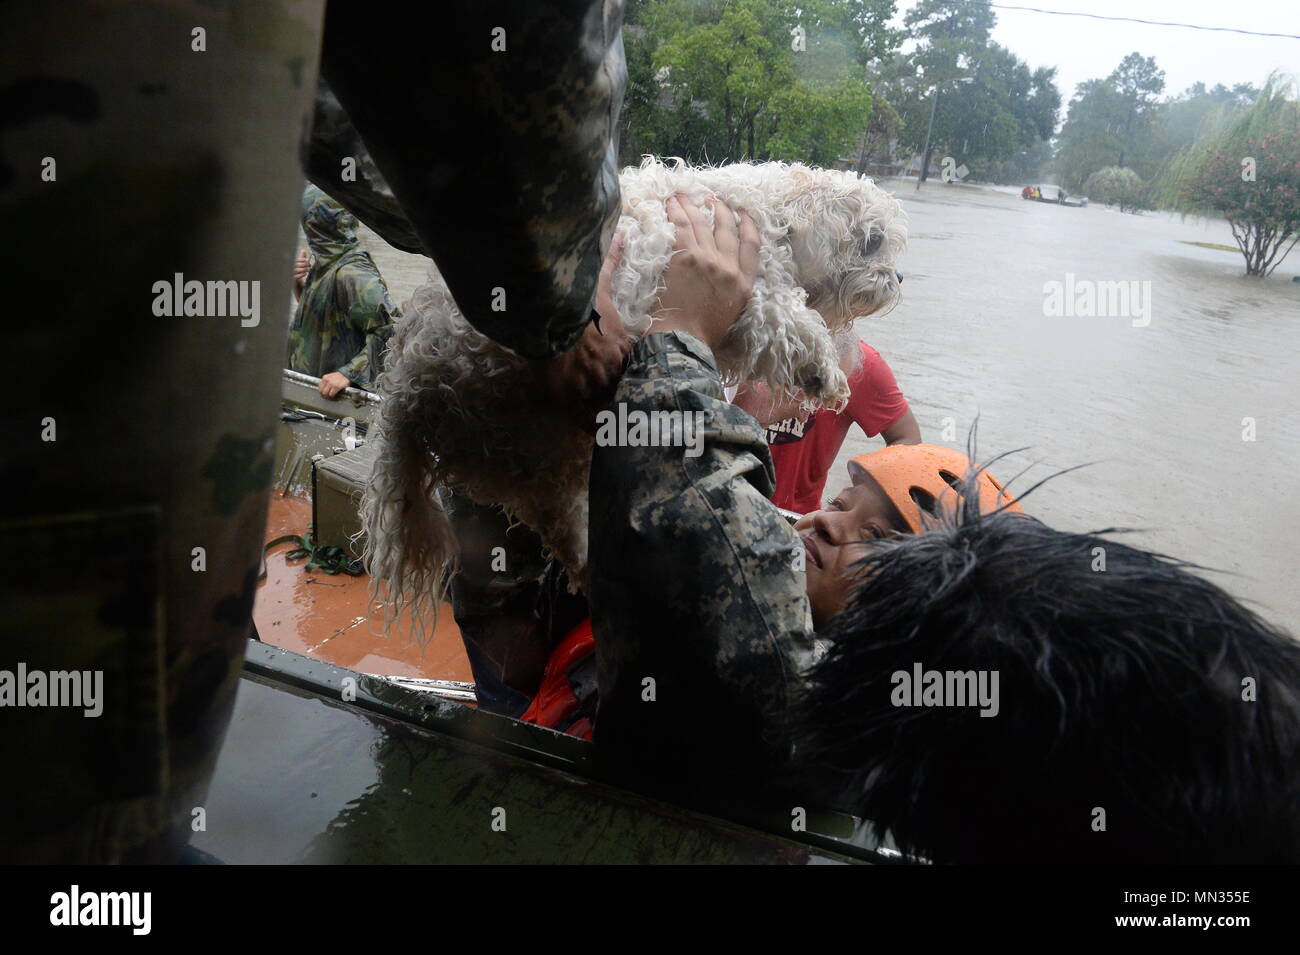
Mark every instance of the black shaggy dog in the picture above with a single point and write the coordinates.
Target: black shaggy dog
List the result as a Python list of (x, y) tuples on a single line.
[(1145, 716)]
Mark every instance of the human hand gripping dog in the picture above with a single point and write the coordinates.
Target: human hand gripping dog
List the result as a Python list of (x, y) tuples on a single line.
[(706, 286), (674, 527), (582, 380), (711, 274)]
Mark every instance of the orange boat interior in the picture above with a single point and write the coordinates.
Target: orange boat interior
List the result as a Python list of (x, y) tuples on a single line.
[(331, 616)]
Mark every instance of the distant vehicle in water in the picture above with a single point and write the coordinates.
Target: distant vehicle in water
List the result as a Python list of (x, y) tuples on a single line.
[(1047, 192)]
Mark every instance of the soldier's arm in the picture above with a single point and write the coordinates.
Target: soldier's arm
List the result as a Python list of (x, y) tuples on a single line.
[(513, 123), (365, 301), (696, 580), (334, 148)]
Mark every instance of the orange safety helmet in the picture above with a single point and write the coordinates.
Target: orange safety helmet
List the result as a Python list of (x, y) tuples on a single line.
[(925, 477)]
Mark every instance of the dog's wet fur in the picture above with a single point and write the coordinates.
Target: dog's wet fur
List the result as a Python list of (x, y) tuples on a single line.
[(1145, 715), (459, 409)]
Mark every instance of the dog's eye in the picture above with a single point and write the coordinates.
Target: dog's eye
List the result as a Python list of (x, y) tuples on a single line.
[(872, 245)]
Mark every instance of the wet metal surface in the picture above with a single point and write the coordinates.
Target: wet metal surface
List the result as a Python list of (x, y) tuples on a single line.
[(312, 425), (302, 779)]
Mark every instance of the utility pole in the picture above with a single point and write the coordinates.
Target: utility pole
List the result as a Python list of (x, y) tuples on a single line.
[(934, 105), (925, 153)]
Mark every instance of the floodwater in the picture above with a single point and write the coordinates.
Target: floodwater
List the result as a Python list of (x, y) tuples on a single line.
[(1158, 410)]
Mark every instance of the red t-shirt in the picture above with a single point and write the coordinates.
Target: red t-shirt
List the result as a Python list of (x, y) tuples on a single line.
[(803, 451)]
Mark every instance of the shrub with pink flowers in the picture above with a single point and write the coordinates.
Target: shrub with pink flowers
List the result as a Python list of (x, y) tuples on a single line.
[(1247, 169)]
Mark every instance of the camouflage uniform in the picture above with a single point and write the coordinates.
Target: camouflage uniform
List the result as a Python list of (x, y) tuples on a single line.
[(164, 157), (499, 118), (168, 160), (345, 315), (693, 585)]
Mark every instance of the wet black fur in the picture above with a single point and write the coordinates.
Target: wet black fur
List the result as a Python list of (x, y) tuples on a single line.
[(1120, 689)]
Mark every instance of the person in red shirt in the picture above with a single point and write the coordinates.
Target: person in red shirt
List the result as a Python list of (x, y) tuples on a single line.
[(804, 447)]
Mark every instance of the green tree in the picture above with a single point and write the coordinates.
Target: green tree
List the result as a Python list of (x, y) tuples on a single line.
[(1182, 118), (1246, 167), (946, 29), (1006, 108), (1112, 122), (1138, 83), (861, 26), (1119, 185), (948, 34), (877, 139), (986, 103), (815, 123), (1088, 140), (725, 80), (1026, 165)]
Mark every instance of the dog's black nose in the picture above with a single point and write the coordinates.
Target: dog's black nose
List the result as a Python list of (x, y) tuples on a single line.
[(899, 277)]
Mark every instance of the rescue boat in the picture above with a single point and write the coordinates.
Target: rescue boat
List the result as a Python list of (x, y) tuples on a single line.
[(349, 744)]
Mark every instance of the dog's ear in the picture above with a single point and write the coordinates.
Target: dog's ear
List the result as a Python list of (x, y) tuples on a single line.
[(824, 213)]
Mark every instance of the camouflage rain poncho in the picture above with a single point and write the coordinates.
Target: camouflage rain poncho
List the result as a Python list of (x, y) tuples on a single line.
[(345, 315)]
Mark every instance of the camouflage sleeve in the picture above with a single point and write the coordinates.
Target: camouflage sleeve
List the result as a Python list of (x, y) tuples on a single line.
[(363, 301), (336, 160), (503, 114), (696, 580)]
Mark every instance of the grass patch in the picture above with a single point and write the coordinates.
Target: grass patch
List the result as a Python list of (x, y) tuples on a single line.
[(1212, 245)]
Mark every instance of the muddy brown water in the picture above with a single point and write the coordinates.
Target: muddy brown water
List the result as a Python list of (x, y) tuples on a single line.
[(1158, 410)]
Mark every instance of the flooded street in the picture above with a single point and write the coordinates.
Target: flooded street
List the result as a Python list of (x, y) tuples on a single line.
[(1156, 411)]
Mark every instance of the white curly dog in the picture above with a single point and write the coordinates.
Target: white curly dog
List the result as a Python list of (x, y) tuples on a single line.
[(459, 409)]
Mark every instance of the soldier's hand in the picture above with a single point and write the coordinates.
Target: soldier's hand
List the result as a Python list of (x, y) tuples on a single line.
[(301, 268), (583, 380), (332, 384), (711, 274)]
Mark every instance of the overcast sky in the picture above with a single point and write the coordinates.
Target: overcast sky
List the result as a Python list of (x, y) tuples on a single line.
[(1082, 49)]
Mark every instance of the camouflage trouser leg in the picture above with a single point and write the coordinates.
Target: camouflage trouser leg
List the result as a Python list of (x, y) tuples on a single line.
[(144, 143), (510, 603)]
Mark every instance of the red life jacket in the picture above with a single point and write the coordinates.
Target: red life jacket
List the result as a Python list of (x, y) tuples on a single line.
[(566, 700)]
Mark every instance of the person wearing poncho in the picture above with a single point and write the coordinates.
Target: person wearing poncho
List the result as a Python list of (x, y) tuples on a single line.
[(345, 315)]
